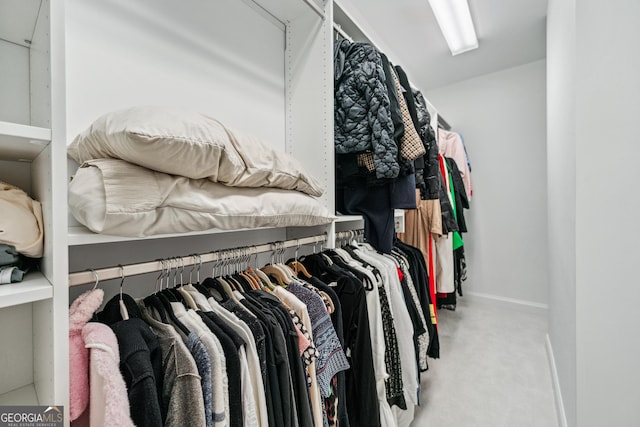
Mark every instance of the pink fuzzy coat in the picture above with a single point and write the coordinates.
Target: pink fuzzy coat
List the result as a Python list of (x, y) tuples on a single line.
[(80, 313), (98, 394), (109, 404)]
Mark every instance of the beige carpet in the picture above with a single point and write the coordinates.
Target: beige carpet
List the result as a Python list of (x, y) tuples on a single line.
[(493, 370)]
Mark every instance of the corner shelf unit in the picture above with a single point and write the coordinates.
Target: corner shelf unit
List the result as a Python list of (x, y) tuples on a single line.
[(33, 313)]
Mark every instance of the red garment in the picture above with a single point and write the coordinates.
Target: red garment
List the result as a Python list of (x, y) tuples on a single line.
[(432, 283)]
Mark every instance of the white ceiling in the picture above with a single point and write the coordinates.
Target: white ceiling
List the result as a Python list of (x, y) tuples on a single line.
[(510, 33)]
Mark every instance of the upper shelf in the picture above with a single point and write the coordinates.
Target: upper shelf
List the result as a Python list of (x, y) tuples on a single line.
[(22, 142)]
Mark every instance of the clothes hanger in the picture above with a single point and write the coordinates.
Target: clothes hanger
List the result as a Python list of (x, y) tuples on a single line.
[(276, 272), (171, 293), (217, 286), (95, 275), (187, 298), (281, 263), (262, 279), (228, 281), (297, 267), (166, 303), (153, 301), (251, 281), (198, 285), (238, 283), (193, 267), (324, 256), (123, 308)]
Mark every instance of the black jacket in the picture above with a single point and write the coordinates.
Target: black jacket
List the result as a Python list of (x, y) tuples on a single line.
[(426, 167), (431, 165), (140, 362), (462, 202), (362, 118)]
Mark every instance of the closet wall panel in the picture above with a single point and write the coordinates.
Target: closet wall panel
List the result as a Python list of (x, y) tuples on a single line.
[(309, 76), (226, 60), (14, 83), (15, 346), (40, 76)]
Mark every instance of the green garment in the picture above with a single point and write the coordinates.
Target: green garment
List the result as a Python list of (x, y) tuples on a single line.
[(457, 238)]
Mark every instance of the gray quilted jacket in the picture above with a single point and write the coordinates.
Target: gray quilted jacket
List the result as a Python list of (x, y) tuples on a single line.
[(362, 118)]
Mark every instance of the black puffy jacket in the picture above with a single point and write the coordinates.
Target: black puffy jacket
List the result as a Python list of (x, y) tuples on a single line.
[(431, 164), (362, 117)]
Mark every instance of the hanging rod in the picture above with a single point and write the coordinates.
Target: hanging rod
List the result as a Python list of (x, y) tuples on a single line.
[(349, 234), (340, 31), (316, 9), (108, 273)]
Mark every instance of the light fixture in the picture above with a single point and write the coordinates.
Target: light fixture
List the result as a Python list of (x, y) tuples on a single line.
[(455, 22)]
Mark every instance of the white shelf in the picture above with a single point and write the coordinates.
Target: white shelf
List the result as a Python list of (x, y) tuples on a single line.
[(22, 396), (80, 235), (22, 142), (34, 287), (348, 218)]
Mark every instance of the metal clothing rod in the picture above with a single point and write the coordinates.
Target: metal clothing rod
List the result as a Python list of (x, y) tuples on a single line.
[(316, 9), (108, 273), (340, 31)]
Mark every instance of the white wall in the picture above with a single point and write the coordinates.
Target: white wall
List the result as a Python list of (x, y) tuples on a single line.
[(561, 182), (502, 118), (594, 79), (122, 54), (607, 224)]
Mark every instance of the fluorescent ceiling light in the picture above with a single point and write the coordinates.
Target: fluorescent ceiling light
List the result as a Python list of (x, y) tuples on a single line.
[(455, 22)]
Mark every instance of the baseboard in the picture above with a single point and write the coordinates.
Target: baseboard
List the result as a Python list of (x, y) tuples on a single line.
[(557, 392), (512, 302)]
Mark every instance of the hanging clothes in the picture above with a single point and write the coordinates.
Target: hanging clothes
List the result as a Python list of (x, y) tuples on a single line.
[(450, 145), (341, 341), (141, 364)]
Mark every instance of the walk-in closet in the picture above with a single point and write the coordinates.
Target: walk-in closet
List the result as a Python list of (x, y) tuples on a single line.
[(318, 213)]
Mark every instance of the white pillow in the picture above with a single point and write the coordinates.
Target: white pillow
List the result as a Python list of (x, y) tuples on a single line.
[(189, 144), (112, 196)]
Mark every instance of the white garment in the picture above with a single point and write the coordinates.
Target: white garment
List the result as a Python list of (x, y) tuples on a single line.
[(378, 346), (253, 391), (444, 264), (404, 418), (202, 303), (376, 330), (216, 356), (402, 323)]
